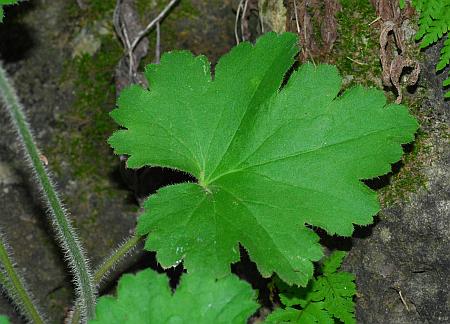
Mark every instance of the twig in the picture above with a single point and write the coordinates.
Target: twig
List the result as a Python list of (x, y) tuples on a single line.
[(374, 21), (130, 47), (244, 12), (304, 48), (261, 19), (296, 17), (158, 43), (130, 53), (403, 300), (238, 12), (355, 61), (116, 21), (81, 4), (161, 15)]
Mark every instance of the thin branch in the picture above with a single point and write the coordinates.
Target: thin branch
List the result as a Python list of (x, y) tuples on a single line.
[(304, 48), (152, 24), (238, 12), (158, 43), (116, 21), (82, 5), (244, 12), (129, 45), (130, 52), (296, 17), (261, 19)]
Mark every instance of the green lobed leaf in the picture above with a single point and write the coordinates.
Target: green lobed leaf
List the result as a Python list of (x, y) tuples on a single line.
[(4, 319), (329, 294), (146, 298), (268, 161)]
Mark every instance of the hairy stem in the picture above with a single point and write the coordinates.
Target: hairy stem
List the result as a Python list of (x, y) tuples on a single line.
[(115, 257), (66, 234), (108, 264), (14, 286)]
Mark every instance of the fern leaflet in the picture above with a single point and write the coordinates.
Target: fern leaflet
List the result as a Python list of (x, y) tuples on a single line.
[(434, 23)]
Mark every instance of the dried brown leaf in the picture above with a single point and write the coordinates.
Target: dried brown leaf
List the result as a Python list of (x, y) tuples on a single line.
[(392, 46)]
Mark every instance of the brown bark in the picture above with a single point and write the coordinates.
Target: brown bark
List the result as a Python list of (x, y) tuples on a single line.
[(304, 16)]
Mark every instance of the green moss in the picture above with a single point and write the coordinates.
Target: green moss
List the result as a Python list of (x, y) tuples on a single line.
[(356, 51), (357, 56), (410, 178), (171, 36), (81, 141), (148, 10), (96, 10)]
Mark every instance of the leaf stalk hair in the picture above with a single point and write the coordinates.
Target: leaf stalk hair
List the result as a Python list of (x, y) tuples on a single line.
[(67, 237), (15, 287), (107, 265)]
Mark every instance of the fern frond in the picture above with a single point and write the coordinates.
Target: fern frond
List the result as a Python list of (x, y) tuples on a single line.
[(434, 23), (447, 81), (445, 56), (430, 12), (435, 32), (446, 84)]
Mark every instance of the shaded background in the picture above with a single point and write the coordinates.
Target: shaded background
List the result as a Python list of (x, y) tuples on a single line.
[(64, 59)]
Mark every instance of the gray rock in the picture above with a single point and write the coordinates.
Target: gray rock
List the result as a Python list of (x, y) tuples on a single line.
[(402, 269)]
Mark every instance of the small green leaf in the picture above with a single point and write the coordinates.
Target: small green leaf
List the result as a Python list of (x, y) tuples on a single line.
[(294, 295), (312, 313), (402, 4), (444, 59), (330, 293), (269, 159), (146, 298), (333, 262), (434, 23), (4, 319), (3, 3), (337, 291), (447, 82)]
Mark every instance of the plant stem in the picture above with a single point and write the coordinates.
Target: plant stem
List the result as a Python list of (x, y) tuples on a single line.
[(14, 286), (65, 233), (109, 263), (115, 257)]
